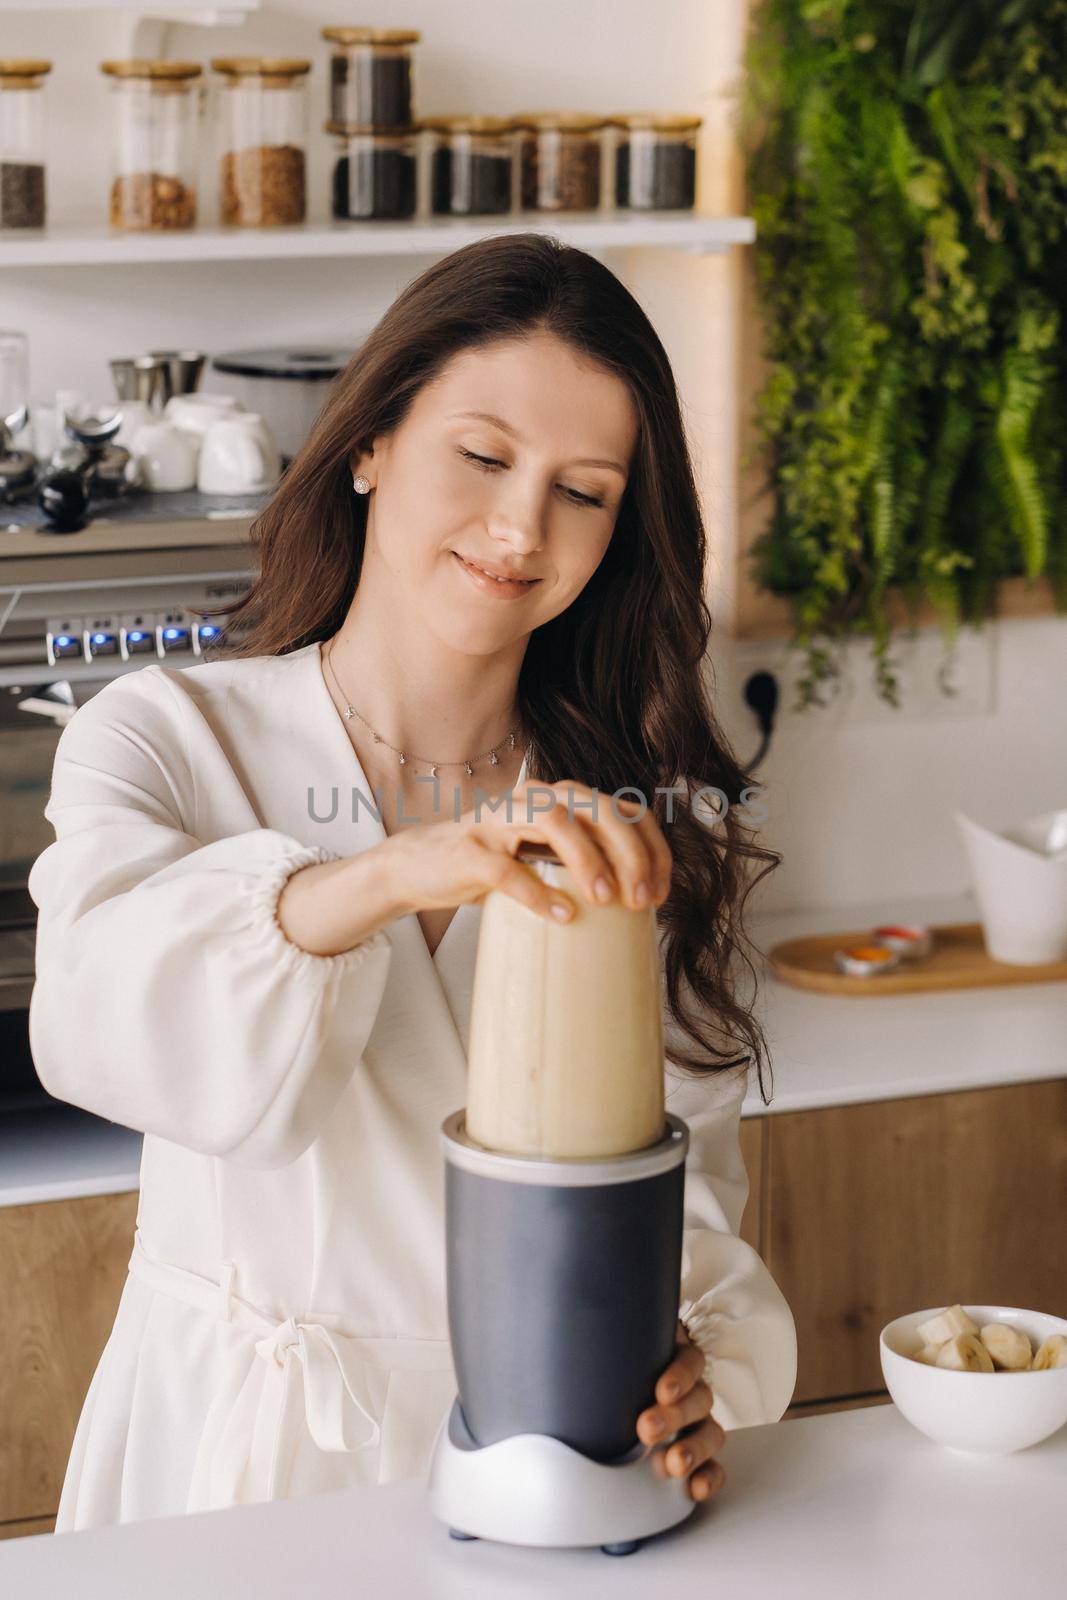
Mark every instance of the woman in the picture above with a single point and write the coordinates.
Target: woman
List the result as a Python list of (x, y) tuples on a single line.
[(236, 955)]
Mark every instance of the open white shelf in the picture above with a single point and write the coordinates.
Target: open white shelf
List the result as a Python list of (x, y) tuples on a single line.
[(83, 247), (221, 11)]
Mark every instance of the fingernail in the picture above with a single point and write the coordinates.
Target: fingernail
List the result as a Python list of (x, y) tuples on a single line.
[(670, 1389), (686, 1459), (602, 889), (561, 910), (655, 1427)]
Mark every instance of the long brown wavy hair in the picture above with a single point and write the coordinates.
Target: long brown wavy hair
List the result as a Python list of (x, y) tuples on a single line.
[(611, 690)]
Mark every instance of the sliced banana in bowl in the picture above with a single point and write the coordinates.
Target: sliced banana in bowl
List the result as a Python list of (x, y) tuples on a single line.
[(938, 1364)]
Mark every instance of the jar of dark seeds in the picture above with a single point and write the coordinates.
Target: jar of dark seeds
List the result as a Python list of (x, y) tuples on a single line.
[(559, 160), (655, 161), (374, 175), (371, 76), (155, 116), (471, 166), (22, 142), (263, 170)]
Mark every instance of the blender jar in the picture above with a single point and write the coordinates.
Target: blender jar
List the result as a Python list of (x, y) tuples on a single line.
[(560, 160), (154, 121), (22, 143), (655, 162), (472, 165), (371, 76), (263, 172)]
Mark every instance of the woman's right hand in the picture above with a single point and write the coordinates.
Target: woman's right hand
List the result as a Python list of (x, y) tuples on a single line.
[(444, 864), (331, 906)]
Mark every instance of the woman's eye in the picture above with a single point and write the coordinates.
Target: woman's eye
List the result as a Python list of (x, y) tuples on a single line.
[(483, 461), (490, 464)]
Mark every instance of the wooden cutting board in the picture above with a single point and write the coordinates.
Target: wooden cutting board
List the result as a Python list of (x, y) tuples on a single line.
[(959, 960)]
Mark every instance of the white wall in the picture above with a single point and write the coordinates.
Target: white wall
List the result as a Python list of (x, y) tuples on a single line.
[(859, 811)]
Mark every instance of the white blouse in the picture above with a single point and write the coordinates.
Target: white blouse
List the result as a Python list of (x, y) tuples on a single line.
[(283, 1329)]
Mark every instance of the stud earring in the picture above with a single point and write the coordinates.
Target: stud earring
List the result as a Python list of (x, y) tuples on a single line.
[(361, 484)]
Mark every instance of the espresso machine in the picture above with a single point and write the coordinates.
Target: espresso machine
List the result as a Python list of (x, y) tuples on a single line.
[(564, 1201)]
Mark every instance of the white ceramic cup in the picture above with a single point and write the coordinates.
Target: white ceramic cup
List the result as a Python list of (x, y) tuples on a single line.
[(167, 456), (238, 456), (197, 412), (1021, 888)]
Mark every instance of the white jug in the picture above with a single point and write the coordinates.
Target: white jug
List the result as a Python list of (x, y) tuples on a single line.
[(1020, 880)]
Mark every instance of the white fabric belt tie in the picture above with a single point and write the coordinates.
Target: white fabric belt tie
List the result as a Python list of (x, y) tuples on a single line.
[(246, 1450)]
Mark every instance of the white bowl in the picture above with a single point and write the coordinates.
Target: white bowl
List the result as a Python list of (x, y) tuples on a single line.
[(990, 1413)]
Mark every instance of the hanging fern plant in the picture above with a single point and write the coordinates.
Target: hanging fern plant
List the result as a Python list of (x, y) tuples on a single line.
[(907, 170)]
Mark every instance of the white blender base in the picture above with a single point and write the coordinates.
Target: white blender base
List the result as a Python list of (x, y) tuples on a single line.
[(535, 1490)]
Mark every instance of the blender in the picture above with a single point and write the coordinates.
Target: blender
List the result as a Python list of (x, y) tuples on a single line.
[(564, 1202)]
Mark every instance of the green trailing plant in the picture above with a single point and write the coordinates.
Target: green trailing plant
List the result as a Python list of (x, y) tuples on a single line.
[(907, 170)]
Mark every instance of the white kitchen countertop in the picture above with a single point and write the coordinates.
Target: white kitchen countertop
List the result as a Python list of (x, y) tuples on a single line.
[(825, 1051), (828, 1050), (853, 1505)]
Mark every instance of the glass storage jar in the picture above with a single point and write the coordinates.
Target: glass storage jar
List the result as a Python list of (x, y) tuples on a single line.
[(472, 166), (374, 175), (559, 160), (154, 123), (655, 161), (22, 142), (263, 170), (371, 76)]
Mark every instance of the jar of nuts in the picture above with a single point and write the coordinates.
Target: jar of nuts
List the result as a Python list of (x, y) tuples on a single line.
[(371, 76), (263, 172), (655, 161), (472, 165), (154, 121), (22, 142), (560, 160)]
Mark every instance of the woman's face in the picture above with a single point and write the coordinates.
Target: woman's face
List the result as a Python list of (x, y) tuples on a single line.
[(514, 459)]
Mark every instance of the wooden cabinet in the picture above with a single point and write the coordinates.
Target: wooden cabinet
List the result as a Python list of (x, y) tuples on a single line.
[(753, 1131), (873, 1210), (62, 1267)]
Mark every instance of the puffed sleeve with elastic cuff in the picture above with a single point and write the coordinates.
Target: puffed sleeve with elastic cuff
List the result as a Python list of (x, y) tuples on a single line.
[(167, 996), (730, 1306)]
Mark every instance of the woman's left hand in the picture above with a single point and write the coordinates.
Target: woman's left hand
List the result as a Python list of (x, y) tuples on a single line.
[(683, 1400)]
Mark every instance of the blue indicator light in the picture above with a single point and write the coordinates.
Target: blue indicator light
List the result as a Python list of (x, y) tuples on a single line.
[(99, 638), (208, 629), (172, 633), (64, 638)]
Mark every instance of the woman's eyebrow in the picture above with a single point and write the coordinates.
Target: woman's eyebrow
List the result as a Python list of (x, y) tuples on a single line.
[(505, 427)]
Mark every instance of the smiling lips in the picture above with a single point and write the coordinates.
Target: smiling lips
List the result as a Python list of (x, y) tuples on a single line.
[(490, 583)]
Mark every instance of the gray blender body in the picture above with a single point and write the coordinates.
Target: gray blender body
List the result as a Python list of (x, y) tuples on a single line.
[(562, 1300), (563, 1292)]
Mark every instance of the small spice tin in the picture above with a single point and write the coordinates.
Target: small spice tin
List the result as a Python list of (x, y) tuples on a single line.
[(560, 160), (865, 960), (375, 174), (22, 142), (263, 172), (655, 161), (912, 940), (371, 76), (472, 166)]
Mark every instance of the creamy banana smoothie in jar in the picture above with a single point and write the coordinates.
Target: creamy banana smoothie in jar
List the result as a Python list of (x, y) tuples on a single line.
[(566, 1044)]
